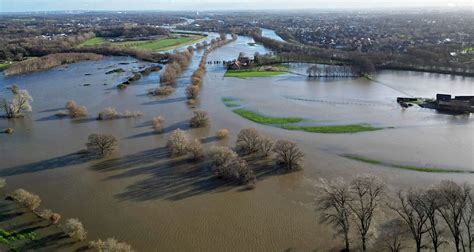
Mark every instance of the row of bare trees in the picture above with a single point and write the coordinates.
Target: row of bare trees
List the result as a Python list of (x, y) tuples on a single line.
[(193, 90), (441, 215), (49, 61), (73, 227), (331, 71)]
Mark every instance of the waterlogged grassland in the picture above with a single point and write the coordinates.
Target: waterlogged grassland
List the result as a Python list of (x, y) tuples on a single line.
[(404, 167), (286, 122), (175, 40), (4, 66), (10, 239), (257, 72), (231, 102), (262, 119), (333, 129)]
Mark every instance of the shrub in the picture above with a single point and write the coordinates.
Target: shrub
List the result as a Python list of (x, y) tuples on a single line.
[(101, 144), (9, 131), (76, 111), (108, 114), (3, 183), (192, 102), (222, 133), (165, 91), (195, 150), (178, 143), (74, 229), (111, 114), (54, 218), (200, 119), (45, 213), (248, 140), (110, 245), (158, 123), (26, 199), (192, 92), (288, 154)]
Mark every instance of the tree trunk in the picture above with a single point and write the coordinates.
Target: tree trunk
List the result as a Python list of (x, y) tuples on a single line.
[(346, 238), (364, 245)]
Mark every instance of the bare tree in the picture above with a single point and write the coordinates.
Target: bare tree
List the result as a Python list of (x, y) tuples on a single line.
[(367, 192), (178, 142), (453, 201), (288, 154), (265, 145), (102, 144), (26, 199), (20, 103), (411, 210), (467, 220), (195, 150), (248, 140), (158, 123), (393, 235), (334, 206), (431, 205)]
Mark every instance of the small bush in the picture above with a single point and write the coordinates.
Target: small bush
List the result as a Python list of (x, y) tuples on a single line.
[(3, 183), (164, 91), (111, 114), (45, 214), (222, 133), (227, 164), (108, 114), (75, 111), (26, 199), (102, 144), (178, 143), (288, 154), (158, 123), (192, 92), (110, 245), (200, 119), (195, 150), (74, 229), (54, 218), (9, 131), (192, 102)]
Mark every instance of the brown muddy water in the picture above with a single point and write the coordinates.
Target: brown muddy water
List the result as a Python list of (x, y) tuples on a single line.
[(155, 203)]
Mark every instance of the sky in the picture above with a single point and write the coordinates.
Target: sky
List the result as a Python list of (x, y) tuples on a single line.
[(199, 5)]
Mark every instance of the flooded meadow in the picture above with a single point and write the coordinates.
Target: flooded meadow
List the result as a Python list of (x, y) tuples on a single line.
[(157, 203)]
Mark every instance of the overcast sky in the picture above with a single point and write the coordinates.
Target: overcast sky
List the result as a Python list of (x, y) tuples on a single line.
[(52, 5)]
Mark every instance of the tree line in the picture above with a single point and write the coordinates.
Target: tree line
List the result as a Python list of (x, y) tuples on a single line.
[(437, 217)]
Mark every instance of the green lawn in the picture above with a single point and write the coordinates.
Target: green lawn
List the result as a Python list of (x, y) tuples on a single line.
[(262, 119), (256, 72), (334, 129), (175, 40), (404, 167)]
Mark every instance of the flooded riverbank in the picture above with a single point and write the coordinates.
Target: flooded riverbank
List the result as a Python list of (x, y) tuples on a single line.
[(141, 196)]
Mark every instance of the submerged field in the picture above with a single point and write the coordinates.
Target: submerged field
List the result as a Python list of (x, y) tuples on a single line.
[(152, 201), (175, 40)]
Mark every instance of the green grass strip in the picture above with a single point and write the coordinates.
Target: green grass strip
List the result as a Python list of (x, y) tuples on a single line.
[(404, 167), (251, 74), (262, 119), (334, 129)]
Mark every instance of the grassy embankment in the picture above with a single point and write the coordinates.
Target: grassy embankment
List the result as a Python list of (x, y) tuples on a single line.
[(174, 40), (230, 102), (260, 71), (4, 66), (404, 167), (285, 122)]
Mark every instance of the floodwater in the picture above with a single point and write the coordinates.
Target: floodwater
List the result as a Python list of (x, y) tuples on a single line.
[(155, 203)]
